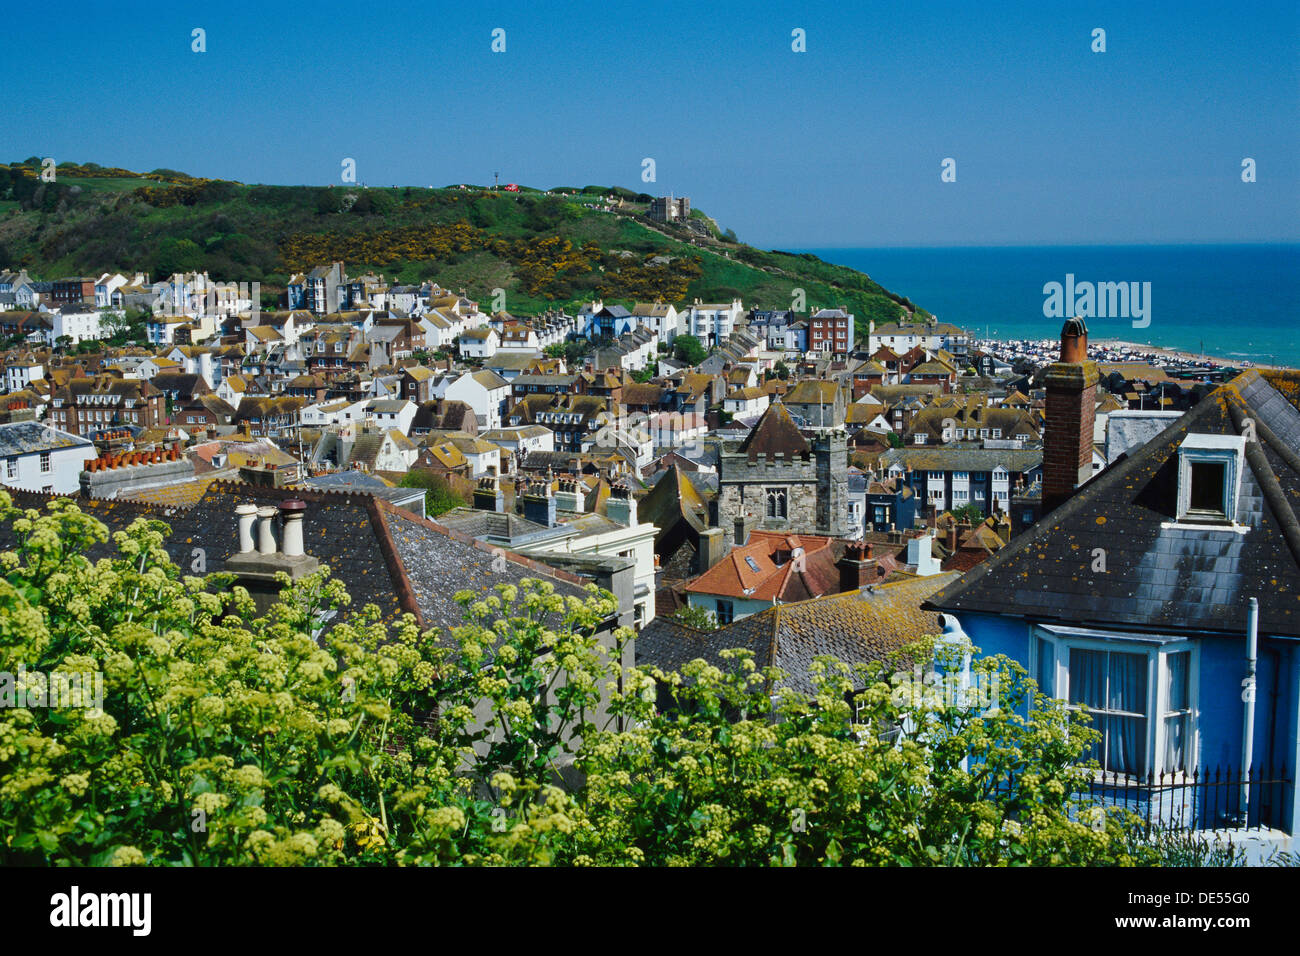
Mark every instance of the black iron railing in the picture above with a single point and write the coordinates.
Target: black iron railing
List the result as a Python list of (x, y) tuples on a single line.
[(1204, 799)]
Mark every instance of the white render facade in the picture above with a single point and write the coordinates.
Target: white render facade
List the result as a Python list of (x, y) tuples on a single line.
[(37, 457)]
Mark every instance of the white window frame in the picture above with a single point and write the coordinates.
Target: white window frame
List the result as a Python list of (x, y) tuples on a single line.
[(1226, 450), (1156, 649)]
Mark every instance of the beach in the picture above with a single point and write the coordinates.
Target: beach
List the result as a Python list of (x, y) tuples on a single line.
[(1176, 355)]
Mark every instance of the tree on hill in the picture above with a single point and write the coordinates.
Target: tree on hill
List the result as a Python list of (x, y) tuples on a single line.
[(689, 349), (178, 255)]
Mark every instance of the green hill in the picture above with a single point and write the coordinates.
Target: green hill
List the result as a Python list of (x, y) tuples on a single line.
[(545, 249)]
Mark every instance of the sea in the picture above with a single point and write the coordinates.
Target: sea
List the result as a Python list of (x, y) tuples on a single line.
[(1236, 302)]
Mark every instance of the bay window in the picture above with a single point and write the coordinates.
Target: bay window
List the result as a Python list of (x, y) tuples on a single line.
[(1139, 692), (1113, 687)]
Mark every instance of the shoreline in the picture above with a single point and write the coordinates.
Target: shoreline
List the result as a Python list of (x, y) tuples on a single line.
[(1164, 352), (1188, 357)]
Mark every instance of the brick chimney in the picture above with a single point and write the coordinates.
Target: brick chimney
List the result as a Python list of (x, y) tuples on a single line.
[(856, 567), (488, 496), (1071, 408)]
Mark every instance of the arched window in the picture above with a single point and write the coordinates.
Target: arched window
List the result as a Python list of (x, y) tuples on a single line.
[(776, 503)]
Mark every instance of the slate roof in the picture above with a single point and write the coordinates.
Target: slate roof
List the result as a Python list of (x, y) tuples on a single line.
[(25, 438), (435, 562), (383, 555), (855, 627), (775, 432), (1160, 576), (476, 523), (956, 458)]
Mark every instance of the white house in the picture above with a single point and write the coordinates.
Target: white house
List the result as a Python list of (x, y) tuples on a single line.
[(659, 318), (479, 343), (484, 391), (197, 360), (746, 402), (37, 457), (517, 338), (75, 323), (522, 439), (621, 534), (481, 453), (337, 411), (712, 323), (105, 286), (932, 335), (440, 328), (151, 366), (390, 413), (20, 374), (232, 390)]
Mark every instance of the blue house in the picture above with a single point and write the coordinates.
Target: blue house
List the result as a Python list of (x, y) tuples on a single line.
[(1164, 595), (608, 321), (890, 503)]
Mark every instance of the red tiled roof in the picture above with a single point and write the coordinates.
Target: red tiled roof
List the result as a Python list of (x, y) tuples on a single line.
[(766, 580)]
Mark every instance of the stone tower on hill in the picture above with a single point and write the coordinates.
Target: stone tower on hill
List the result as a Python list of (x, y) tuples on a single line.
[(779, 480)]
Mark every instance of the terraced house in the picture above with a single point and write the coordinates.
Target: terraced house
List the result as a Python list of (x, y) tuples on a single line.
[(87, 406), (954, 477)]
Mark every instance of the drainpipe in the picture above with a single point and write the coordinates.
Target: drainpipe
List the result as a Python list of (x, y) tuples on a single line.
[(1248, 698)]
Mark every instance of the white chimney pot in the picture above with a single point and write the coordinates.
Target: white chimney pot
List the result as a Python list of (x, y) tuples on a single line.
[(247, 515), (265, 532)]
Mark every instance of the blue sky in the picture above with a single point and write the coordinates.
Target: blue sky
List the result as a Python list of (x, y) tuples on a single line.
[(838, 146)]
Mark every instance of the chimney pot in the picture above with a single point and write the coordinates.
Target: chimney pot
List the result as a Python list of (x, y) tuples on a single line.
[(292, 512), (265, 530), (247, 515)]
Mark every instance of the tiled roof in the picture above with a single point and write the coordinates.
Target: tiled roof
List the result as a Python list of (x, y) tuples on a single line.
[(855, 627), (181, 494), (751, 571), (812, 392), (964, 459), (673, 499), (383, 555)]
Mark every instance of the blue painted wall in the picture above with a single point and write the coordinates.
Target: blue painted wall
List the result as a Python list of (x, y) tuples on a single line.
[(1220, 708)]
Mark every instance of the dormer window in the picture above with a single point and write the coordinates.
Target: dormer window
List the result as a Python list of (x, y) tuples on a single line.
[(1209, 477)]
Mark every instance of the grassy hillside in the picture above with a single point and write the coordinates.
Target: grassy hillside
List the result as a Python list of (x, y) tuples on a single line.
[(545, 250)]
